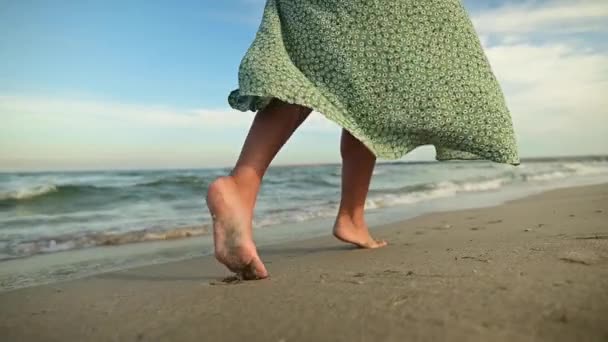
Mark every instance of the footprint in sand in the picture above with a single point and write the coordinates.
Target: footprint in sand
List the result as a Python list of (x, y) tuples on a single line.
[(480, 258), (356, 282), (231, 280), (593, 237), (394, 273), (494, 222), (399, 300), (390, 272), (443, 227), (579, 257)]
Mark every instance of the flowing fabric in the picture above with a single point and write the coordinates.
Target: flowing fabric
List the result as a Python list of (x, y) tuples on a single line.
[(397, 74)]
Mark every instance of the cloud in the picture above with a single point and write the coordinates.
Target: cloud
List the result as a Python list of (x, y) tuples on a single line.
[(555, 85), (556, 95), (572, 16), (150, 115), (42, 133)]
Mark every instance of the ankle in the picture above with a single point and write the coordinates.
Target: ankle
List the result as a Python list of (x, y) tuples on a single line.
[(247, 186), (350, 219)]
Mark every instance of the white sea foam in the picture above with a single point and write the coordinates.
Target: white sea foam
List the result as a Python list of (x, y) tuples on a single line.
[(28, 192), (586, 169), (492, 184), (547, 176), (440, 190)]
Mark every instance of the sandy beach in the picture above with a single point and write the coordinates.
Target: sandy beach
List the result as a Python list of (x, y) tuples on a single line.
[(534, 269)]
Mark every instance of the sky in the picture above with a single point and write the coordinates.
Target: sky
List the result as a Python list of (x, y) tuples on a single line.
[(143, 84)]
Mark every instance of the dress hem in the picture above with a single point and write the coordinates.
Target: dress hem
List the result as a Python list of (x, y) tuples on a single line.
[(257, 97)]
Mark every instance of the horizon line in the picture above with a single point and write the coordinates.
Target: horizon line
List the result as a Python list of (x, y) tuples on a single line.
[(385, 162)]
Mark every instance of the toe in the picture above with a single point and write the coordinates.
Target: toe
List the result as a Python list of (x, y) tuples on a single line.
[(376, 244), (381, 243), (255, 270)]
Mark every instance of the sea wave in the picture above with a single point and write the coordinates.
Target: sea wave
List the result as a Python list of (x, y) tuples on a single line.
[(28, 192), (546, 176), (381, 198), (68, 190), (427, 192), (175, 180), (198, 182), (51, 244), (587, 169), (38, 192), (565, 170), (319, 200)]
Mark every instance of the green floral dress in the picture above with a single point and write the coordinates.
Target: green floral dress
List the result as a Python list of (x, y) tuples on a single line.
[(397, 74)]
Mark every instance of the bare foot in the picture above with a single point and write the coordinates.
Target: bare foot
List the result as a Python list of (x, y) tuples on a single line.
[(234, 246), (345, 230)]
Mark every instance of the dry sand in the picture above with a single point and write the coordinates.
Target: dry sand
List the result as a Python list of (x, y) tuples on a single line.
[(530, 270)]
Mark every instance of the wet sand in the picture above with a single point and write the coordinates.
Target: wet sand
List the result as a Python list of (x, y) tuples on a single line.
[(534, 269)]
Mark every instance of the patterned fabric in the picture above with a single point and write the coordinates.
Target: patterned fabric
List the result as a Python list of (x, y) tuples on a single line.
[(397, 74)]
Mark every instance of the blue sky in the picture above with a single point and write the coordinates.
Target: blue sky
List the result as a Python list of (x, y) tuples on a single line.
[(113, 84)]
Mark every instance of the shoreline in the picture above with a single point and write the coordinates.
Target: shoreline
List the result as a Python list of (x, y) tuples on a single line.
[(529, 269), (50, 268), (57, 267)]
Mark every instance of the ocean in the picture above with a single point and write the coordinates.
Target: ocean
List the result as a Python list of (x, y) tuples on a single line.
[(60, 225)]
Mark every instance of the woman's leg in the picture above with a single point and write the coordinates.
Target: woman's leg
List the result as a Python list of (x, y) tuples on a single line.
[(357, 167), (231, 199)]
